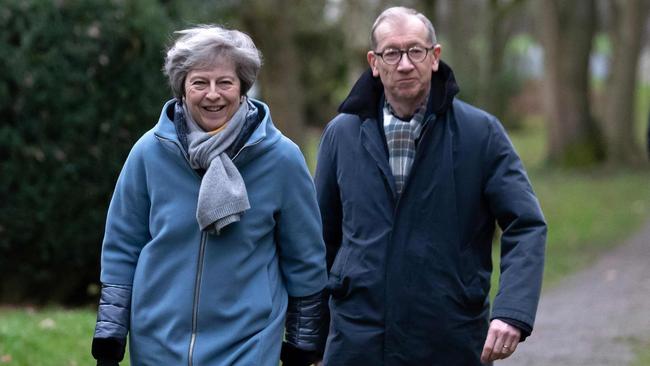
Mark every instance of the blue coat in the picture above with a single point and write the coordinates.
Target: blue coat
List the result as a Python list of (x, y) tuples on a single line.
[(410, 275), (202, 299)]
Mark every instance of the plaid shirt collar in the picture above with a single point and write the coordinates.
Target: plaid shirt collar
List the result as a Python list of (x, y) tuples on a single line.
[(418, 115), (400, 139)]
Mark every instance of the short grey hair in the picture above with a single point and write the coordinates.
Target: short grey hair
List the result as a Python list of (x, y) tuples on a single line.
[(398, 12), (201, 47)]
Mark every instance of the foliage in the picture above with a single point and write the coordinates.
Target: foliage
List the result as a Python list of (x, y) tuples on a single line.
[(324, 71), (80, 83)]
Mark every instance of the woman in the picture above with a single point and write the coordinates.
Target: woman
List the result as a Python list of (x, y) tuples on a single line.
[(212, 224)]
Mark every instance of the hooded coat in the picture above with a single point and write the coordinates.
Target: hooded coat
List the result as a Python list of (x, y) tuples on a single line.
[(410, 274), (199, 298)]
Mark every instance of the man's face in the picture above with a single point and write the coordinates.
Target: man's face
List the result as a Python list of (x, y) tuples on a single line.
[(406, 82)]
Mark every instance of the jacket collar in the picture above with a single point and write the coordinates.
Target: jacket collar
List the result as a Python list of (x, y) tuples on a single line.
[(367, 93), (258, 135)]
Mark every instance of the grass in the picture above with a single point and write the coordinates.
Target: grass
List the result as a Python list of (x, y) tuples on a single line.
[(48, 337), (588, 212), (642, 354), (642, 114)]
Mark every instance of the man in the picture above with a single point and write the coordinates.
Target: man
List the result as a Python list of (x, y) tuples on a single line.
[(410, 182)]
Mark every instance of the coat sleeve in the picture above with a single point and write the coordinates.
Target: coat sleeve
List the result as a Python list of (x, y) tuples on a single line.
[(327, 193), (127, 222), (125, 233), (302, 259), (302, 253), (518, 213)]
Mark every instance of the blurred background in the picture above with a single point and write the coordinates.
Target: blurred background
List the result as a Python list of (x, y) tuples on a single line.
[(81, 81)]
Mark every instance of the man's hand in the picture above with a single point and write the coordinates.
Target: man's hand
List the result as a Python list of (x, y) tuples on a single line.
[(501, 342)]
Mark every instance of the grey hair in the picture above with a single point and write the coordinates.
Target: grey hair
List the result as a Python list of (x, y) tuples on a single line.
[(400, 12), (201, 46)]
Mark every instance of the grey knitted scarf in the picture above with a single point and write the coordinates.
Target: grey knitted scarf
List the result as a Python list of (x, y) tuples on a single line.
[(222, 195)]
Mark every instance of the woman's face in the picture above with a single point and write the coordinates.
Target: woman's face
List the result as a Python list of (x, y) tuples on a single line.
[(213, 94)]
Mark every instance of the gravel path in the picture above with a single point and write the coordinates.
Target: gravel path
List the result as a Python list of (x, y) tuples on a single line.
[(595, 316)]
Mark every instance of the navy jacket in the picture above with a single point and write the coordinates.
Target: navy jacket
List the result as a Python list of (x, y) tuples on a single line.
[(410, 275)]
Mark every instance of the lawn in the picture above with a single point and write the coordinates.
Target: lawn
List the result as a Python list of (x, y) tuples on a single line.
[(46, 337), (642, 354), (587, 212)]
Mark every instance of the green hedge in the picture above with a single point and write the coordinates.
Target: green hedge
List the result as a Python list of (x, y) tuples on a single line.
[(80, 81)]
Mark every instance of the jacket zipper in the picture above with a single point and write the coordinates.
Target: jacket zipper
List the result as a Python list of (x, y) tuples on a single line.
[(180, 148), (244, 147), (197, 292), (199, 272)]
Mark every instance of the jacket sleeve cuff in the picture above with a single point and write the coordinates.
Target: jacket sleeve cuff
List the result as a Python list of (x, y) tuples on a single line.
[(523, 327), (305, 324), (113, 314)]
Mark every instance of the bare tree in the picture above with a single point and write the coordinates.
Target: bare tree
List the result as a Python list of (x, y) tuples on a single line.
[(567, 29), (626, 29), (500, 20), (461, 52), (272, 26), (356, 21)]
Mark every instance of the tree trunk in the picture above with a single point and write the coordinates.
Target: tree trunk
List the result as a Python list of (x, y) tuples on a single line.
[(459, 52), (493, 95), (428, 8), (567, 29), (628, 21), (356, 21), (271, 26)]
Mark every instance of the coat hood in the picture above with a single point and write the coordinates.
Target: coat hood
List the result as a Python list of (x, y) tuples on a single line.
[(367, 93)]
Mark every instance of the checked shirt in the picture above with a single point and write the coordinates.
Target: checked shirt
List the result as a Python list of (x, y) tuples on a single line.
[(400, 138)]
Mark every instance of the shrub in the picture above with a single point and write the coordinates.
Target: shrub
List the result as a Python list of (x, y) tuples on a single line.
[(80, 82)]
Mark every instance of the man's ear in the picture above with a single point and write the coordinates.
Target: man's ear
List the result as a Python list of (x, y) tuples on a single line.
[(436, 51), (372, 61)]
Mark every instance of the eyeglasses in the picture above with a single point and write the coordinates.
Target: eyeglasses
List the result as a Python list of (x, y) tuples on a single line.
[(393, 56)]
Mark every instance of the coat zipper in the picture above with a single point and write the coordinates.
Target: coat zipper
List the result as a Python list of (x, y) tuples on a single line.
[(180, 148), (199, 272), (197, 292), (244, 147)]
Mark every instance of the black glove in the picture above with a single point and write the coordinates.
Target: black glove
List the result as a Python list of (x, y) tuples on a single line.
[(108, 351), (292, 356), (107, 363)]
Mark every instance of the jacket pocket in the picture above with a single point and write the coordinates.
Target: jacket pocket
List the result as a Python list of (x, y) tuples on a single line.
[(475, 287), (338, 284)]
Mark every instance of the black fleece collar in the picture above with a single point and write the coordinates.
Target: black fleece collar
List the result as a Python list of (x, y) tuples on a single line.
[(367, 93)]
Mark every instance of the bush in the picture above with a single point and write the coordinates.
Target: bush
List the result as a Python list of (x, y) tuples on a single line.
[(80, 82)]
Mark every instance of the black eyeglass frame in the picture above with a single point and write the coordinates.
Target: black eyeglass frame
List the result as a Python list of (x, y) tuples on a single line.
[(402, 52)]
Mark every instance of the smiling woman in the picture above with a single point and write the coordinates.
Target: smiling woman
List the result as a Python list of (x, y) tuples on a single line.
[(213, 236), (213, 95)]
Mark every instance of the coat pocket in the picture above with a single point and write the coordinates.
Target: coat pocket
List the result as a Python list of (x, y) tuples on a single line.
[(475, 286), (339, 284)]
